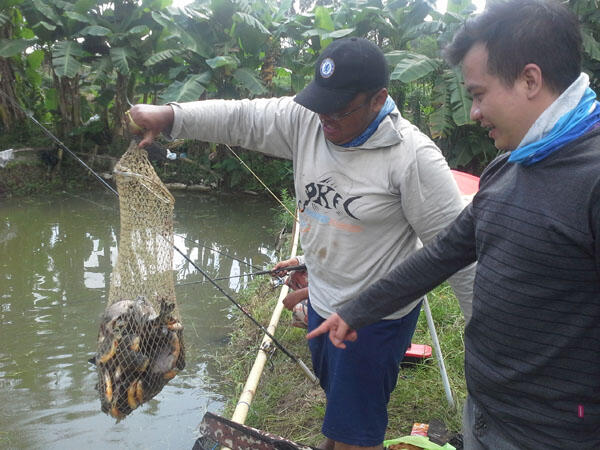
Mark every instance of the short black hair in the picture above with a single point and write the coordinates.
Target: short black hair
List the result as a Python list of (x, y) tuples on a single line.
[(521, 32)]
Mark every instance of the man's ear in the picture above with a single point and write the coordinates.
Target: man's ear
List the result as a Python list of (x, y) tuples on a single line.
[(533, 80), (378, 100)]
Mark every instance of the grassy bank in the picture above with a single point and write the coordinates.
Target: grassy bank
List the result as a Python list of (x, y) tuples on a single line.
[(289, 405)]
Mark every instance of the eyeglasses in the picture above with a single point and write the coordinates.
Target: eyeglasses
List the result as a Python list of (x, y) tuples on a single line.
[(339, 116)]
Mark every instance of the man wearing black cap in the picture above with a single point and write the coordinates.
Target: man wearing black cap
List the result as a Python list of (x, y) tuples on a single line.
[(370, 189)]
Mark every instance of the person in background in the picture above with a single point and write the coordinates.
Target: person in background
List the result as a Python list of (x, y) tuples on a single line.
[(532, 353), (370, 188)]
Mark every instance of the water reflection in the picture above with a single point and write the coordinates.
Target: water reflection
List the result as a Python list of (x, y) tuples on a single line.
[(56, 257)]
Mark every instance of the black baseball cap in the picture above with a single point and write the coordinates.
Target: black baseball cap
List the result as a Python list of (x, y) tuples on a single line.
[(345, 68)]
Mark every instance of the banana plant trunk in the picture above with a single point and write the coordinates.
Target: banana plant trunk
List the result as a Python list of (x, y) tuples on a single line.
[(121, 105), (68, 103), (10, 115), (69, 107)]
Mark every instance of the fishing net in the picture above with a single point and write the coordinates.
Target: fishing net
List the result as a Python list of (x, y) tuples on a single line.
[(140, 341)]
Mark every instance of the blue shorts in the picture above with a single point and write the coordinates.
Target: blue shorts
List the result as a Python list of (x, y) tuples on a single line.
[(358, 381)]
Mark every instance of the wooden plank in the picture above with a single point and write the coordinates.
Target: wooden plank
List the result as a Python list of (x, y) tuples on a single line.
[(242, 437)]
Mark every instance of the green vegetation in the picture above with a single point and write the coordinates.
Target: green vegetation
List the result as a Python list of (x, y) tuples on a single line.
[(289, 405), (282, 216), (75, 65)]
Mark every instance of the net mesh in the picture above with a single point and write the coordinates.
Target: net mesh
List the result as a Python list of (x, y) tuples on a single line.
[(140, 341)]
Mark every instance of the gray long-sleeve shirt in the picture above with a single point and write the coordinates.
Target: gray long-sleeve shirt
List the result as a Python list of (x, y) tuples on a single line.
[(362, 209)]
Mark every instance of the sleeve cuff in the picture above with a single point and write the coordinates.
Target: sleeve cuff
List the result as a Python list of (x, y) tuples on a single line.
[(177, 121)]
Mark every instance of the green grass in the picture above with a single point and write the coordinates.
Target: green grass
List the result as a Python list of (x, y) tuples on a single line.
[(289, 405)]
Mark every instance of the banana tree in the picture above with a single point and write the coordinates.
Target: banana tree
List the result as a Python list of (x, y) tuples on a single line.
[(120, 34), (215, 47), (55, 31), (182, 48)]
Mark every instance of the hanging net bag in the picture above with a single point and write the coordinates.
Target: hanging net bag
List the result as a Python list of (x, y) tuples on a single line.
[(140, 341)]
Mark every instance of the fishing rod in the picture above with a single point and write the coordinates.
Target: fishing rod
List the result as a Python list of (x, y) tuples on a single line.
[(294, 358), (242, 162), (216, 251), (311, 376), (260, 272)]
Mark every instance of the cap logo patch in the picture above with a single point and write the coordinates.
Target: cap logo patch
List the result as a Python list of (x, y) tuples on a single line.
[(327, 67)]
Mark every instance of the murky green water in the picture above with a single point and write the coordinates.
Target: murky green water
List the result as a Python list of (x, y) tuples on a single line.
[(56, 256)]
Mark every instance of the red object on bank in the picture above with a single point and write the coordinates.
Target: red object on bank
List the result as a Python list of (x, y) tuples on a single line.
[(418, 351), (467, 184)]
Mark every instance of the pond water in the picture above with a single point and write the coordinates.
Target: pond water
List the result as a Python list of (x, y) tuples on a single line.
[(56, 257)]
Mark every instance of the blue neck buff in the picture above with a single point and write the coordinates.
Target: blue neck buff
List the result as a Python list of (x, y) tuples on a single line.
[(569, 127), (387, 108)]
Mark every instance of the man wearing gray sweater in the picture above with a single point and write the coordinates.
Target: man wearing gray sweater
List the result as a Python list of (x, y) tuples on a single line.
[(532, 347), (370, 189)]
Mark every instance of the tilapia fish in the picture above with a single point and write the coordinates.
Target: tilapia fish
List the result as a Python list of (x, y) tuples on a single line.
[(139, 351)]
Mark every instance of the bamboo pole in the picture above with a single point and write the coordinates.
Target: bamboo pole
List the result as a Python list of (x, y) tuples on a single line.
[(247, 395)]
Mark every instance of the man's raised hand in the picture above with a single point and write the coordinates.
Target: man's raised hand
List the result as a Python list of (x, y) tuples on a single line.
[(338, 329), (149, 121)]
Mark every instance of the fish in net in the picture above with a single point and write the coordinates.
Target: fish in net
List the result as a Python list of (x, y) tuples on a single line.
[(140, 340)]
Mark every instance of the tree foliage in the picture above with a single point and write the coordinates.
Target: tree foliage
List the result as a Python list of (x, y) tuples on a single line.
[(69, 61)]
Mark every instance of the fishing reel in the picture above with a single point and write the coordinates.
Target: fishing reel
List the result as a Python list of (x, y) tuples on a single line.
[(277, 282)]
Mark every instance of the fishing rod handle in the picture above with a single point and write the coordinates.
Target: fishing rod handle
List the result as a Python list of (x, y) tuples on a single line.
[(288, 268), (309, 374)]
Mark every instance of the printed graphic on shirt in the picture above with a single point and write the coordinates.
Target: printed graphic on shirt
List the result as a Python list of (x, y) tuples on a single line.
[(325, 199)]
